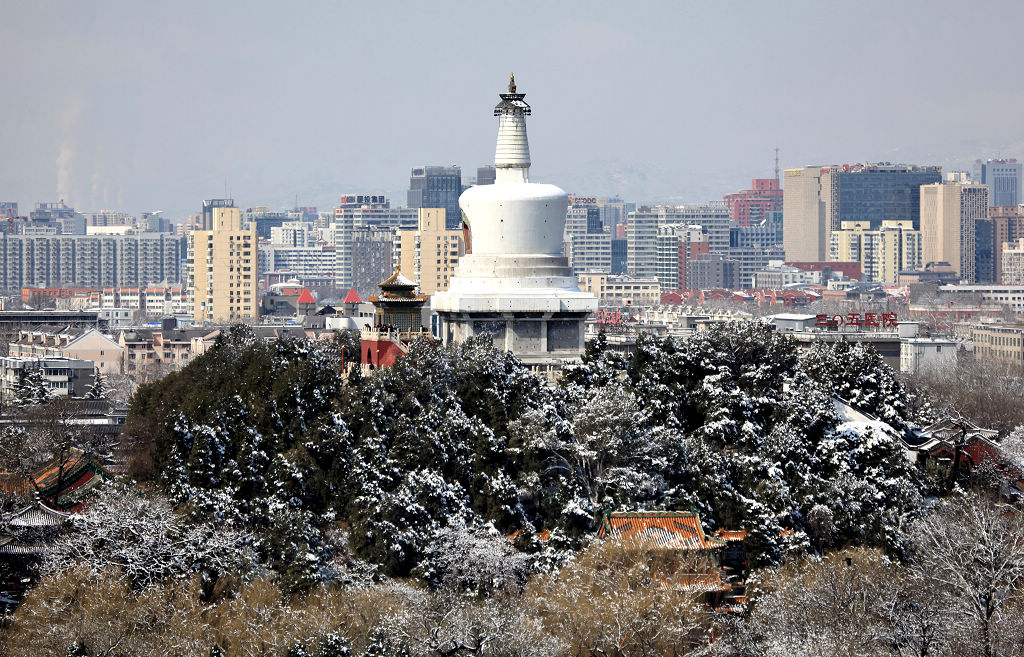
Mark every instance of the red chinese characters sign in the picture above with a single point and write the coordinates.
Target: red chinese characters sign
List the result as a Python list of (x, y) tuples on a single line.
[(883, 320), (608, 317)]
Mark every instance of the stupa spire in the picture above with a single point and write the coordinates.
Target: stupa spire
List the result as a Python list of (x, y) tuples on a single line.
[(512, 153)]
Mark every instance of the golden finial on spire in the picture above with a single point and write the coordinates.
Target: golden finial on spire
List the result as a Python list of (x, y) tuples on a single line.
[(512, 83)]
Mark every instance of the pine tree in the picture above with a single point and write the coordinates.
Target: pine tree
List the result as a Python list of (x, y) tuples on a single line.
[(98, 389), (32, 389)]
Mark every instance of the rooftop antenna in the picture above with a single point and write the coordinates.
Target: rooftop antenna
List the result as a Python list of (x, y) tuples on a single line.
[(776, 164)]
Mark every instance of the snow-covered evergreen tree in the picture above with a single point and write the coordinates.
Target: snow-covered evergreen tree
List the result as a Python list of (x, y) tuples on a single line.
[(31, 390)]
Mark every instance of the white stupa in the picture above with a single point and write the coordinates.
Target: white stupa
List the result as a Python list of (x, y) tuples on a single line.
[(514, 283)]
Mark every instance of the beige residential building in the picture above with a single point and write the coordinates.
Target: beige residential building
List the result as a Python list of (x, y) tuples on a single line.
[(621, 290), (1000, 343), (1012, 262), (948, 215), (882, 253), (430, 253), (222, 269), (90, 345)]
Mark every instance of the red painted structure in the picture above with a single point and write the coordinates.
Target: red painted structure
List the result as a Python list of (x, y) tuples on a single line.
[(382, 348)]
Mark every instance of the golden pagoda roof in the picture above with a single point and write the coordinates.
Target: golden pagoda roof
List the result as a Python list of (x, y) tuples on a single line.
[(397, 280)]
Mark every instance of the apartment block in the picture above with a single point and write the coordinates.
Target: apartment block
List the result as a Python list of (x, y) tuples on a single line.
[(643, 224), (949, 212), (591, 252), (677, 245), (223, 269), (1012, 260), (430, 253), (42, 258), (755, 205), (359, 212), (882, 253), (372, 258)]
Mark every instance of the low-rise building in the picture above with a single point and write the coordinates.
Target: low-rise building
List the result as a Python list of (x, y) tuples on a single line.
[(927, 353), (621, 290), (82, 344), (998, 342), (63, 377)]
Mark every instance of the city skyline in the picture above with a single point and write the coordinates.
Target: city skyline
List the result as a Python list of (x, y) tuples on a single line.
[(118, 106)]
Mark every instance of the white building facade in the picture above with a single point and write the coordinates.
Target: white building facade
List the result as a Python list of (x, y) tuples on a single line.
[(514, 284)]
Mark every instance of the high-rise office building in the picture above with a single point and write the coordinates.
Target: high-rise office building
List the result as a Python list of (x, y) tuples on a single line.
[(984, 251), (1003, 178), (804, 235), (361, 211), (209, 207), (874, 192), (949, 212), (757, 204), (620, 250), (430, 252), (223, 268), (485, 175), (437, 187), (816, 200), (883, 252)]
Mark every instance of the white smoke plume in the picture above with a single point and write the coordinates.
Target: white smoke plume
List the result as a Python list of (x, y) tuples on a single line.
[(64, 173)]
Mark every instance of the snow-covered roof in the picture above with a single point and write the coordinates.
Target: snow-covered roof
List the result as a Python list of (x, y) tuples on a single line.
[(793, 317), (38, 515), (397, 279)]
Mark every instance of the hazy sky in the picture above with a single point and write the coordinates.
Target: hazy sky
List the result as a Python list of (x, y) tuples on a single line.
[(148, 106)]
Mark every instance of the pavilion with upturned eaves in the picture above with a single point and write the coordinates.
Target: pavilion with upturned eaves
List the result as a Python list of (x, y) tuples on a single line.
[(397, 321)]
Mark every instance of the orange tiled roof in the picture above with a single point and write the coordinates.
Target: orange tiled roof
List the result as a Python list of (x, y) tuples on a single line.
[(67, 471), (659, 529), (543, 535), (731, 535)]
